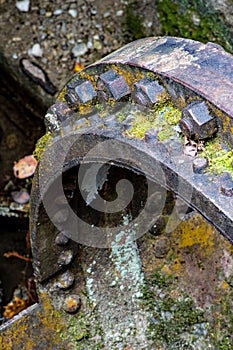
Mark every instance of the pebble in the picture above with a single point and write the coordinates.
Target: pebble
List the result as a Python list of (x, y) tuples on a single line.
[(23, 5), (57, 12), (119, 13), (89, 43), (73, 13), (79, 50), (97, 45), (36, 51), (20, 197)]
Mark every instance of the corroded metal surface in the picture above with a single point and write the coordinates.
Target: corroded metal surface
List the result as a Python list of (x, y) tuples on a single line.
[(206, 69), (129, 105)]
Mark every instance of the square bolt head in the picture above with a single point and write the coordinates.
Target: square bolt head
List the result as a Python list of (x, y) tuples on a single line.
[(196, 121), (113, 85), (147, 92), (84, 91)]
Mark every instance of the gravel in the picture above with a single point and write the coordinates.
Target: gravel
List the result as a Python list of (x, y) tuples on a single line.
[(54, 34)]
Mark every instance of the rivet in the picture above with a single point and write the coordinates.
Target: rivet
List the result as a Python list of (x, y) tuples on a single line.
[(61, 239), (72, 303), (65, 258), (65, 280)]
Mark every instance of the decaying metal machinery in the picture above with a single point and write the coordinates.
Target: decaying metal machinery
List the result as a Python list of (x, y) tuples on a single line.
[(134, 183)]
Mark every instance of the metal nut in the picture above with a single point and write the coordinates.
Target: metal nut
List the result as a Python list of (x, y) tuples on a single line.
[(147, 92), (80, 92), (197, 122), (112, 85)]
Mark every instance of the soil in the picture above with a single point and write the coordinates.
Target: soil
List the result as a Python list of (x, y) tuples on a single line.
[(58, 26)]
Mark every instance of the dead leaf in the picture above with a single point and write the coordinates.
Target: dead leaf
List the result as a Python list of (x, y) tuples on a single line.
[(25, 167)]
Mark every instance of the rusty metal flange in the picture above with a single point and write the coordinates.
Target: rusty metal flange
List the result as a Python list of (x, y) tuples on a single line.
[(149, 74), (198, 80)]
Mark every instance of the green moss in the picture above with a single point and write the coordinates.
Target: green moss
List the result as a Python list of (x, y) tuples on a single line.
[(133, 27), (220, 160), (83, 330), (170, 317), (178, 19), (164, 118), (40, 146)]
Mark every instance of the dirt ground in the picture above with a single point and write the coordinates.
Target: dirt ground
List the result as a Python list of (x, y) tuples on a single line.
[(54, 34)]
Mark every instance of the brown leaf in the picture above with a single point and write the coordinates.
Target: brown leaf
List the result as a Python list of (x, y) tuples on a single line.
[(25, 167)]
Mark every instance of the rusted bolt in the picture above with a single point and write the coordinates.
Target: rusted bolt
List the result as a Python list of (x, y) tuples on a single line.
[(61, 239), (72, 303), (112, 85), (199, 164), (151, 136), (65, 258), (81, 92), (197, 122), (65, 280), (147, 92)]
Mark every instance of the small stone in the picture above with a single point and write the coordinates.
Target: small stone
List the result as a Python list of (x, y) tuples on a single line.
[(97, 45), (119, 13), (57, 12), (20, 197), (48, 14), (73, 13), (65, 258), (79, 50), (23, 5), (93, 12), (72, 303), (36, 51), (89, 43)]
